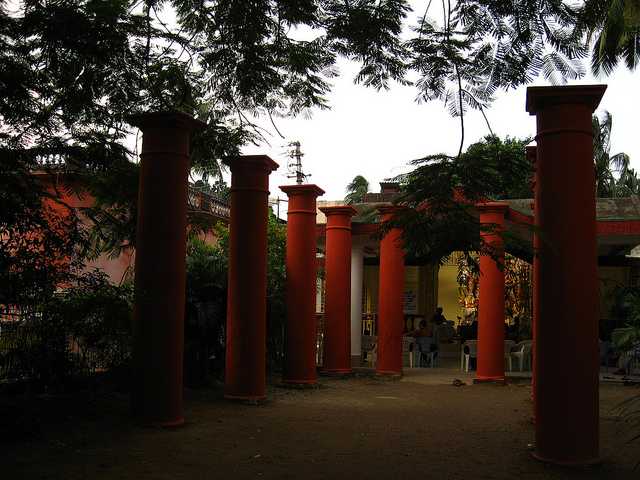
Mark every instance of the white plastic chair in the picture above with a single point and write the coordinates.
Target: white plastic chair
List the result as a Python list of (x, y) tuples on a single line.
[(464, 357), (522, 354), (408, 346), (370, 349)]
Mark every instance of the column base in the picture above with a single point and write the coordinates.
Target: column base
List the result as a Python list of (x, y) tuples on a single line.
[(388, 374), (589, 463), (496, 380)]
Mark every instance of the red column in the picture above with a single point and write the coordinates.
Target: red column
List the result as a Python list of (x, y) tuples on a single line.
[(532, 155), (390, 299), (567, 400), (491, 294), (245, 375), (161, 237), (300, 360), (337, 304)]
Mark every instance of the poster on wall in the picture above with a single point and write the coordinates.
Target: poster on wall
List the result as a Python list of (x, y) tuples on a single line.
[(410, 302)]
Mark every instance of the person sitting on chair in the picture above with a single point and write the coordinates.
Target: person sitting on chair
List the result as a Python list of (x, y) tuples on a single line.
[(424, 330)]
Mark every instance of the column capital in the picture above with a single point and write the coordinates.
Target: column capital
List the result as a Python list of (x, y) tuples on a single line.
[(168, 119), (339, 210), (539, 98), (307, 189), (262, 163)]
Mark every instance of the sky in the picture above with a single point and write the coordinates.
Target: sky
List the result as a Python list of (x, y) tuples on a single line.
[(376, 134)]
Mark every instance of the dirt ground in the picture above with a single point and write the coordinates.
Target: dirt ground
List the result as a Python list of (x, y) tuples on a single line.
[(358, 428)]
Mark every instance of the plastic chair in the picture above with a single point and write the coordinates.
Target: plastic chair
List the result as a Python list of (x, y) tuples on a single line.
[(409, 345), (508, 346), (369, 349), (464, 357), (522, 354), (425, 351), (372, 356)]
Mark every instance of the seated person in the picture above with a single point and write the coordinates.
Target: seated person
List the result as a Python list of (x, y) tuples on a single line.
[(469, 332), (425, 329)]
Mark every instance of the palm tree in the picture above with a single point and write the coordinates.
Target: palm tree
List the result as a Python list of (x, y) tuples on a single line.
[(615, 24), (357, 189), (628, 183), (614, 177)]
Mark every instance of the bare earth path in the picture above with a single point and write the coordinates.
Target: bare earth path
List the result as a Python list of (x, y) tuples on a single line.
[(360, 428)]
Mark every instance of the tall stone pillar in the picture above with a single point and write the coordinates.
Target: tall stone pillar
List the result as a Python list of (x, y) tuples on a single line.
[(390, 299), (300, 359), (567, 398), (532, 155), (337, 324), (357, 277), (245, 375), (161, 238), (491, 294)]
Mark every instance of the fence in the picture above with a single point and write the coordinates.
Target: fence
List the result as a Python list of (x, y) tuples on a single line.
[(31, 348)]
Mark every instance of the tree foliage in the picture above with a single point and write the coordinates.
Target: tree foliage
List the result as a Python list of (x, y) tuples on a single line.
[(72, 72), (40, 238), (614, 175), (612, 28), (356, 190), (205, 328), (480, 46), (442, 191)]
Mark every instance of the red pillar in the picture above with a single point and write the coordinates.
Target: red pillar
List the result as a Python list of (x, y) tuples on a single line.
[(337, 304), (567, 400), (245, 375), (532, 155), (300, 360), (161, 237), (491, 294), (390, 299)]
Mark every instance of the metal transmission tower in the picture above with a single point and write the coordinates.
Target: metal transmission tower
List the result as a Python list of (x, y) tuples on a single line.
[(295, 165)]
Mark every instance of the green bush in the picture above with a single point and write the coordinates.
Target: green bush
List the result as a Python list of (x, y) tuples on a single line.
[(206, 308), (206, 305)]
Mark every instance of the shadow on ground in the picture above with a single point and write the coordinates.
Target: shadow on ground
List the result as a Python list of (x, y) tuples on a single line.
[(419, 427)]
